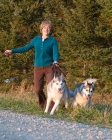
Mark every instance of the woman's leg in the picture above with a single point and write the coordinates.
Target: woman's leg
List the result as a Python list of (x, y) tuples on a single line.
[(49, 73), (39, 86)]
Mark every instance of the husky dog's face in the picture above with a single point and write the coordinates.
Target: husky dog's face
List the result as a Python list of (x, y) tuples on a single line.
[(59, 83), (87, 90)]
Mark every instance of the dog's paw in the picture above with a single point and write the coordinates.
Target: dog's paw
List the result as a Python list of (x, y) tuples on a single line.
[(57, 109), (66, 105), (45, 111), (52, 112)]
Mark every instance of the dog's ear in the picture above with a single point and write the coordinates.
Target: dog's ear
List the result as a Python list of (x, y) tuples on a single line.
[(86, 83), (90, 81), (55, 75), (90, 84), (94, 80), (62, 76)]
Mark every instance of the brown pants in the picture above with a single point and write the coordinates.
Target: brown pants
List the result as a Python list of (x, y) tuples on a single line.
[(39, 74)]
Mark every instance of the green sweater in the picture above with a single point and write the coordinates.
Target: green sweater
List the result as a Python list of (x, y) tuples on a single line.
[(46, 52)]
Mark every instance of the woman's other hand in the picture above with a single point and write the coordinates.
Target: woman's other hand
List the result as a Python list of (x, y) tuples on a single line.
[(7, 52)]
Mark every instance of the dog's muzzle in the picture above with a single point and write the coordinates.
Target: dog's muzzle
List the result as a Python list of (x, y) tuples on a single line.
[(60, 91), (88, 97)]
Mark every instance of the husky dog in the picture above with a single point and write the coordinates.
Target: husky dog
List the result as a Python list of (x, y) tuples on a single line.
[(56, 90), (82, 94)]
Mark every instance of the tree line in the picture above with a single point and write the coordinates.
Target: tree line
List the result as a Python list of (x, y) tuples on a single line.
[(83, 29)]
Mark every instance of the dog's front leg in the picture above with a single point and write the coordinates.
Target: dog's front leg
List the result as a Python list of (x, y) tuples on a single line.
[(66, 100), (55, 107), (66, 103), (47, 105)]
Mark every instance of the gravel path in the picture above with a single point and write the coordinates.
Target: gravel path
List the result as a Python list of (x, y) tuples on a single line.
[(15, 126)]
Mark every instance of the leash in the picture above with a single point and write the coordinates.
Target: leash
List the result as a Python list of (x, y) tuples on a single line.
[(58, 69)]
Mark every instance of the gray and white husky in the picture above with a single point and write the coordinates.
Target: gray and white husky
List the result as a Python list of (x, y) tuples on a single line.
[(83, 92), (56, 90)]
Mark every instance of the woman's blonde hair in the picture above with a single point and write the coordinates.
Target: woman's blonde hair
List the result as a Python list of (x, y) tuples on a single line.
[(49, 23)]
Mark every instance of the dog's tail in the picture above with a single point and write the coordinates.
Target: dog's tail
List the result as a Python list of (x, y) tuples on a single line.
[(90, 80)]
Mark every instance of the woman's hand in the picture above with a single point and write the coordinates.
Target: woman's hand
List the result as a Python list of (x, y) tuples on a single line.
[(56, 63), (7, 52)]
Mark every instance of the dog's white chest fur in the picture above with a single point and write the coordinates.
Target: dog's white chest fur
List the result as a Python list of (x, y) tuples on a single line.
[(82, 101)]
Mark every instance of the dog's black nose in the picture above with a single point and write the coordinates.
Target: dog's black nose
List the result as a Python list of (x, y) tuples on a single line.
[(89, 95), (59, 89)]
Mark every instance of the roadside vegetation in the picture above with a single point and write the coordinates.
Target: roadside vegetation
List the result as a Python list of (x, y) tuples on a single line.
[(100, 114), (83, 29)]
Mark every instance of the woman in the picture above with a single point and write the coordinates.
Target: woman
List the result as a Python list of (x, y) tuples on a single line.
[(46, 54)]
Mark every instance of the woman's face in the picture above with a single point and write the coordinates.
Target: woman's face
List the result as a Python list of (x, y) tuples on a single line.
[(46, 30)]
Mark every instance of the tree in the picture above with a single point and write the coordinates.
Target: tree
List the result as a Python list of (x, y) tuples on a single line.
[(19, 23), (82, 28)]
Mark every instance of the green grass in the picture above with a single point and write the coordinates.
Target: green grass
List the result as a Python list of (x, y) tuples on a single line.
[(99, 114)]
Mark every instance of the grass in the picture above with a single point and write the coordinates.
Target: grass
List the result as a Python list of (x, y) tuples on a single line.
[(99, 114)]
